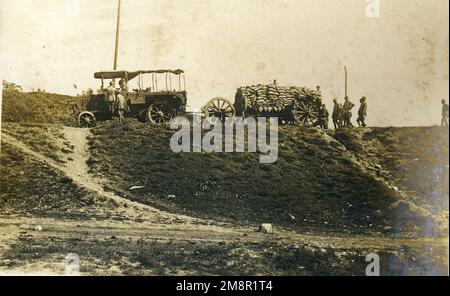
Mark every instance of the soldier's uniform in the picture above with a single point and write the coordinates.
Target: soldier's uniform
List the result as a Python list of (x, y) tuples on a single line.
[(323, 117), (445, 114), (341, 115), (336, 115), (121, 107), (111, 98), (362, 113), (348, 113)]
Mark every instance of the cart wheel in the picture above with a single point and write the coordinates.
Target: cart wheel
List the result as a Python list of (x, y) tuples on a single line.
[(157, 115), (218, 108), (305, 113), (86, 119)]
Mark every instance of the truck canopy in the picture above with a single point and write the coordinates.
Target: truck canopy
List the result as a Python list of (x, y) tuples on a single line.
[(132, 74)]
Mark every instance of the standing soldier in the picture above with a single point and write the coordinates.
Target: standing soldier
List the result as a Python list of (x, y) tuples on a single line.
[(341, 115), (336, 114), (323, 117), (362, 112), (444, 120), (121, 107), (111, 97), (122, 85), (348, 112)]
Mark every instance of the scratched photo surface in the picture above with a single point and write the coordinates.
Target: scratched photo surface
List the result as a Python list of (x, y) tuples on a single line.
[(97, 176)]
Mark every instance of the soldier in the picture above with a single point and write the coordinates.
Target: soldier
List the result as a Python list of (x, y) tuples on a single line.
[(362, 112), (323, 117), (341, 115), (121, 107), (337, 109), (347, 109), (122, 85), (111, 97), (444, 120)]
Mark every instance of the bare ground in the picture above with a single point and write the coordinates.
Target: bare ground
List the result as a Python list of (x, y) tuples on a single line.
[(151, 241)]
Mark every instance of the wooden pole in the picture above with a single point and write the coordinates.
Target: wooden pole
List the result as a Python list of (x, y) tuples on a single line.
[(117, 37)]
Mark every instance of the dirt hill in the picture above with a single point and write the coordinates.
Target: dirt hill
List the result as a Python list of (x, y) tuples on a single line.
[(39, 107), (360, 180), (333, 197), (351, 180)]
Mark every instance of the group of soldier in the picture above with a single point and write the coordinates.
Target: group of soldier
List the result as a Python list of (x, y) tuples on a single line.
[(342, 114), (116, 100)]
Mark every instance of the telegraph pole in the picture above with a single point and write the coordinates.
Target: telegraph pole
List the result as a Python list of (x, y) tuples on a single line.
[(116, 51)]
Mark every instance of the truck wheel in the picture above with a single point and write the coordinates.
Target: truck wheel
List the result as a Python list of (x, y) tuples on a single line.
[(86, 119)]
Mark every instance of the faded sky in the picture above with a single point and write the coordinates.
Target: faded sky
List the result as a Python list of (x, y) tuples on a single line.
[(399, 60)]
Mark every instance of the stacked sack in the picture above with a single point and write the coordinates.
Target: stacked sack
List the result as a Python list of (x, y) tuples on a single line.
[(271, 97)]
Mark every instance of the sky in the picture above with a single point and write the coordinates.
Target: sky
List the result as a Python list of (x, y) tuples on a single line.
[(398, 60)]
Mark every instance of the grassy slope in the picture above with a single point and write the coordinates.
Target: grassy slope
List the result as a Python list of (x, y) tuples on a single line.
[(37, 107), (33, 188), (47, 139), (413, 158), (315, 180)]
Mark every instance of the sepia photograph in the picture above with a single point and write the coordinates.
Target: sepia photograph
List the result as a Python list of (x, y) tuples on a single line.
[(255, 138)]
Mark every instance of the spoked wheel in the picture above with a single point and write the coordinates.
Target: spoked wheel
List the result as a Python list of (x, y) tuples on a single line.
[(305, 113), (86, 119), (158, 115), (218, 109)]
